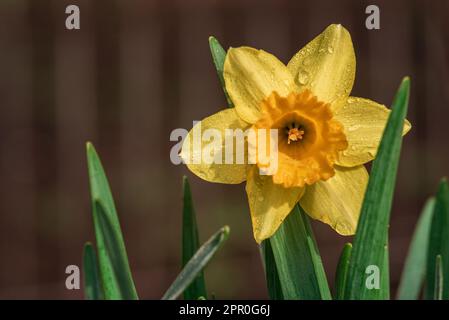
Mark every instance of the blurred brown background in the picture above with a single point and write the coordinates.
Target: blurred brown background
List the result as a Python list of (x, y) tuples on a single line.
[(138, 69)]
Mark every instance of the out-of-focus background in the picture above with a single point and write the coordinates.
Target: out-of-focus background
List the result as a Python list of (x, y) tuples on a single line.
[(138, 69)]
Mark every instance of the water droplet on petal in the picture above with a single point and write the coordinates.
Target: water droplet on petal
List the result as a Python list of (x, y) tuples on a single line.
[(351, 100), (303, 77), (342, 225), (330, 49), (353, 128), (260, 198), (307, 61)]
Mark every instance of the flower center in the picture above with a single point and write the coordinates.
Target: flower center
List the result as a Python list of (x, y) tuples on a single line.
[(294, 134), (309, 138)]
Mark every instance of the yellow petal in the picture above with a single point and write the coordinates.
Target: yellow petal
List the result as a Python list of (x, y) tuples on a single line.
[(251, 75), (193, 152), (326, 65), (269, 203), (338, 200), (364, 122)]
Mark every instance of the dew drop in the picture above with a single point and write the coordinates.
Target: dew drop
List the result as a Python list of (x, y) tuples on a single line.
[(330, 49), (260, 198), (353, 128), (342, 225), (351, 100), (307, 61), (303, 77)]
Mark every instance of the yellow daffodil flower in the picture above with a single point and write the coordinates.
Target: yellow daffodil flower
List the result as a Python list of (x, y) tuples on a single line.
[(325, 135)]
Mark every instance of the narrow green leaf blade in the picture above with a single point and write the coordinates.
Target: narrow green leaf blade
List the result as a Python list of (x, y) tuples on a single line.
[(439, 242), (271, 271), (371, 239), (439, 279), (298, 261), (342, 271), (415, 264), (92, 283), (196, 264), (119, 262), (218, 57), (190, 243), (100, 191)]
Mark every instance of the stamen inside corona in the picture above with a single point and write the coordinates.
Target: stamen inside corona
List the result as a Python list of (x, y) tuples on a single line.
[(294, 134)]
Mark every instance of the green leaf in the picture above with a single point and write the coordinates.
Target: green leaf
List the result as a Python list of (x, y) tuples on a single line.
[(119, 262), (271, 272), (196, 264), (298, 261), (415, 265), (219, 56), (92, 282), (190, 243), (100, 192), (371, 238), (439, 279), (385, 275), (439, 242), (342, 271)]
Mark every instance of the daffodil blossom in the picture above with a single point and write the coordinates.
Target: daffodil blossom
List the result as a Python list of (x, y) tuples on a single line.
[(325, 136)]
